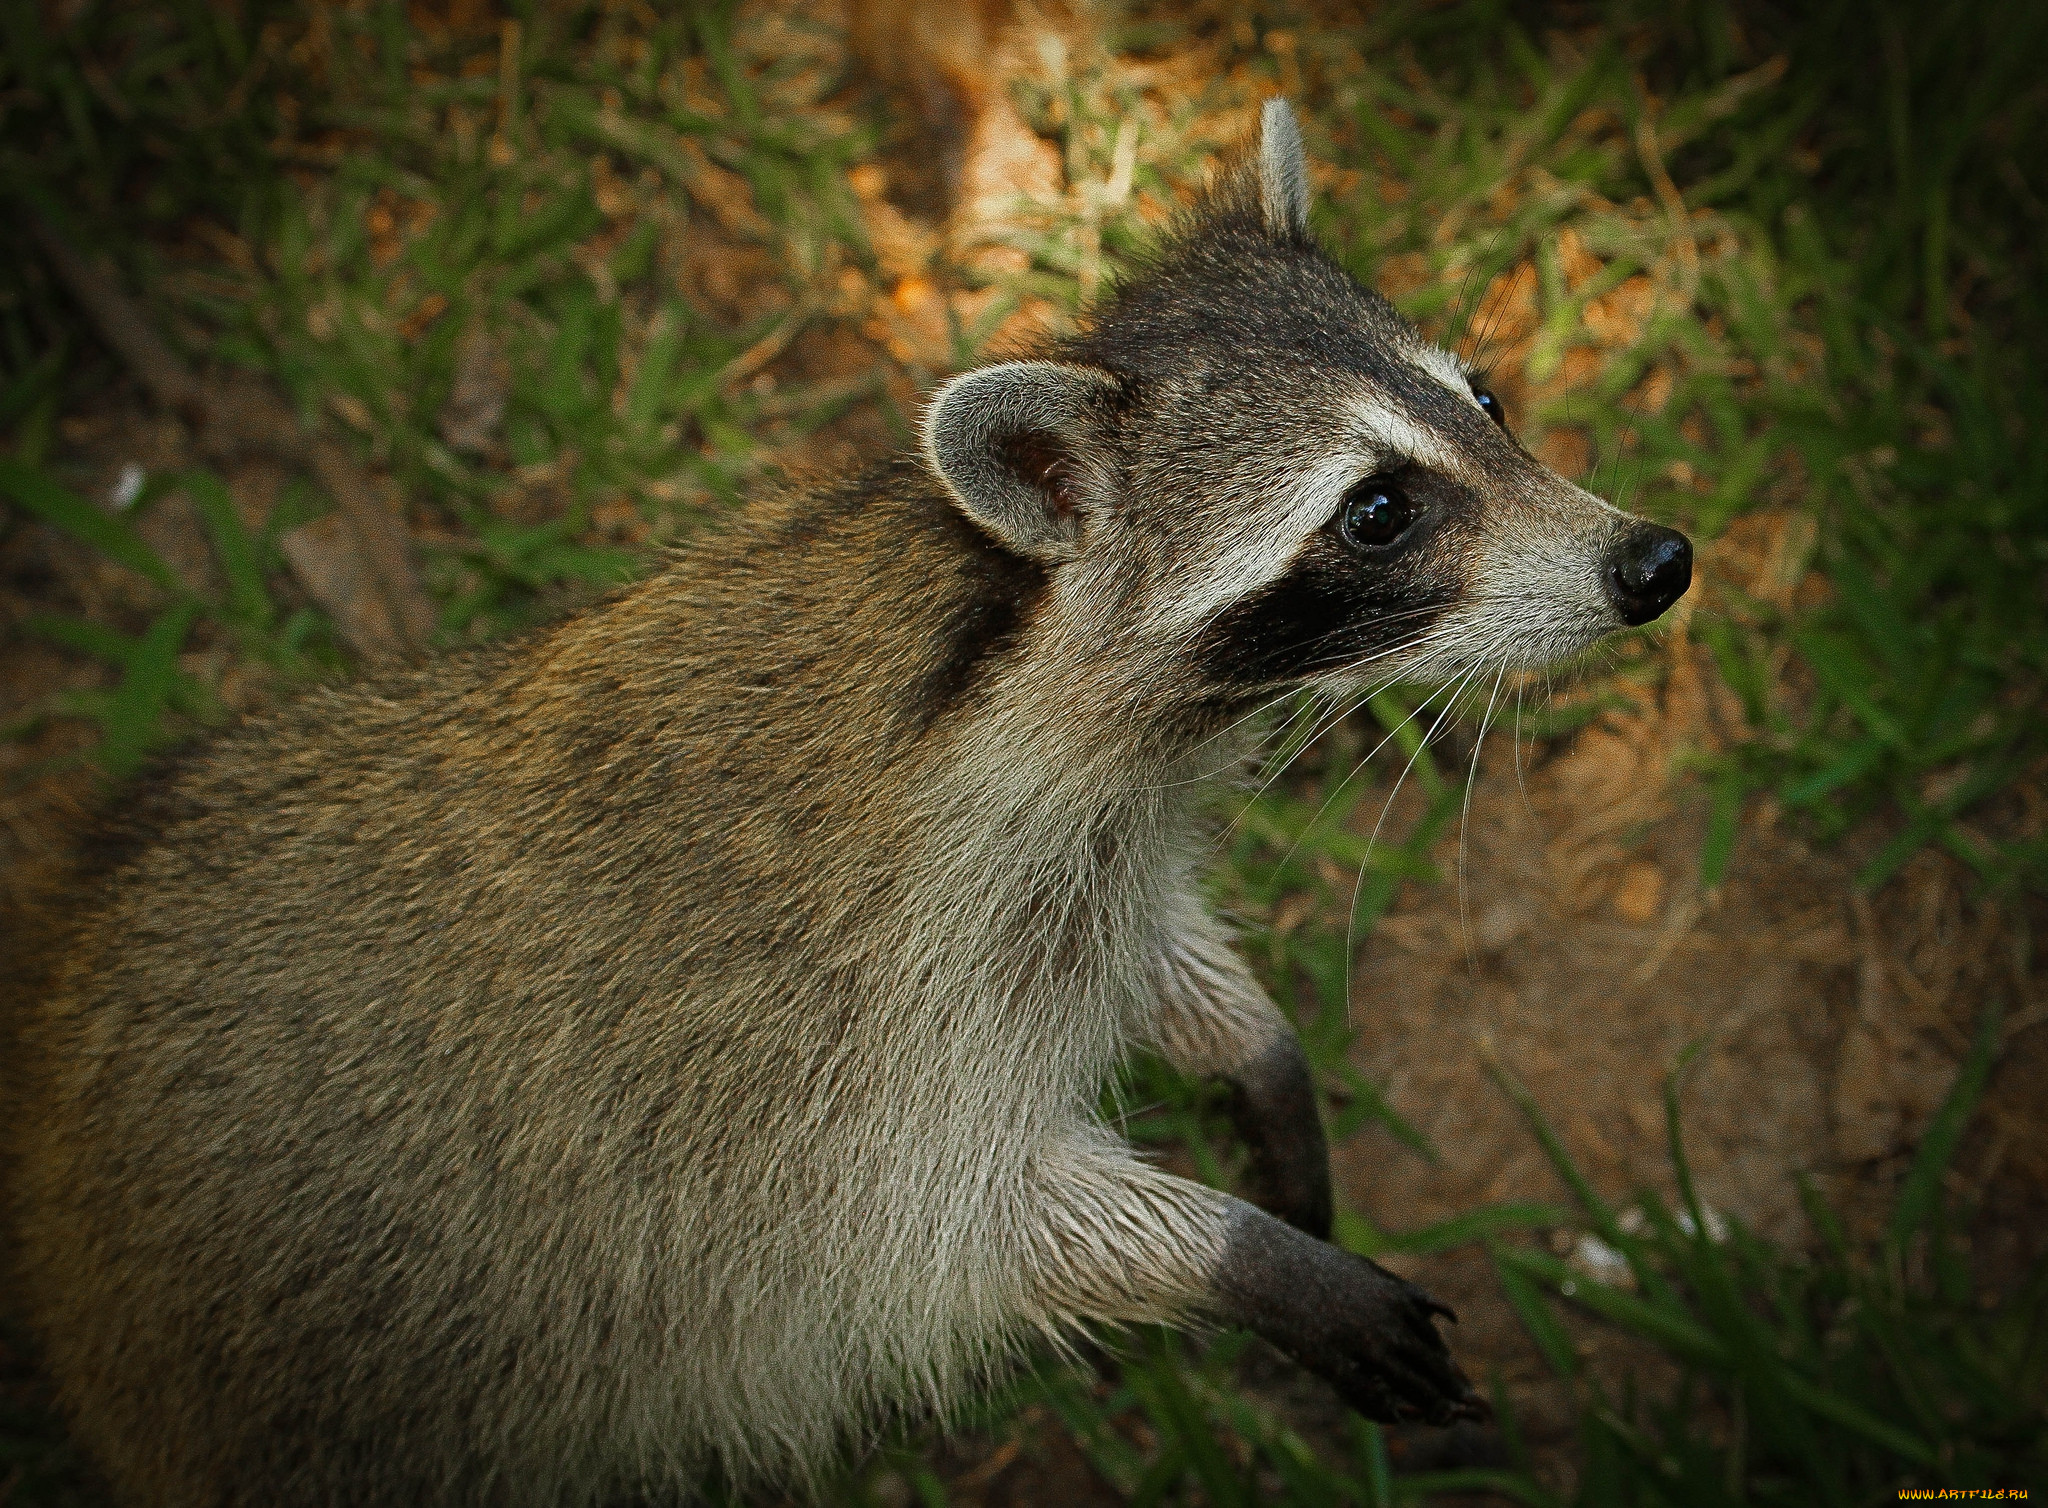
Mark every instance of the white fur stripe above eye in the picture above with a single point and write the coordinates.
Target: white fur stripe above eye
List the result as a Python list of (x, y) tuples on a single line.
[(1258, 556), (1391, 438), (1380, 437), (1445, 368)]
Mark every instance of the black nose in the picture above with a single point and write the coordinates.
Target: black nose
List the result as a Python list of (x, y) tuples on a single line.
[(1648, 569)]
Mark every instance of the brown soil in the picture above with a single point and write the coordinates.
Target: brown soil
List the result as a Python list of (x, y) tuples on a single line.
[(1584, 959)]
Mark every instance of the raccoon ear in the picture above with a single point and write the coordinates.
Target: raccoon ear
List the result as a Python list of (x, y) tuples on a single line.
[(1016, 446), (1283, 172)]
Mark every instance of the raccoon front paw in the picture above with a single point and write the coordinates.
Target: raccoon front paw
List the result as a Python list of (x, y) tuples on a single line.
[(1369, 1334), (1387, 1360)]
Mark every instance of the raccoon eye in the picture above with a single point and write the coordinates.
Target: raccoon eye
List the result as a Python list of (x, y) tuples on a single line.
[(1376, 512), (1495, 409)]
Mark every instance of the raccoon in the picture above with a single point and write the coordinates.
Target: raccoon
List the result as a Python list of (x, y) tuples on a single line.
[(669, 1046)]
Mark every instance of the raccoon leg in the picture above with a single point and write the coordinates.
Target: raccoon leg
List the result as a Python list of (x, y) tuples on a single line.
[(1116, 1239), (1214, 1020)]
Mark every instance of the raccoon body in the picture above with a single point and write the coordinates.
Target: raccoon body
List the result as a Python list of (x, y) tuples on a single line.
[(670, 1044)]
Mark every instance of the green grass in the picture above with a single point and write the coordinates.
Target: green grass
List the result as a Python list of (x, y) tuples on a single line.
[(1848, 322), (155, 700), (1847, 328), (1834, 1380), (619, 389)]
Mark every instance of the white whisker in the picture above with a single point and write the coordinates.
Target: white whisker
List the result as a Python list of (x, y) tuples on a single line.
[(1465, 820)]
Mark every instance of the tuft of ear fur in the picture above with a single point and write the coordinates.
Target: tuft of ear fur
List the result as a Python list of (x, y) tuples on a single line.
[(1283, 172), (1016, 446)]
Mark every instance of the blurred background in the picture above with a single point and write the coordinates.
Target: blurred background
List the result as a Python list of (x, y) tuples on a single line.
[(1684, 1031)]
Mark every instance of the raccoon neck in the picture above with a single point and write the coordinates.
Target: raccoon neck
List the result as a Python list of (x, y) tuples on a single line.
[(853, 699)]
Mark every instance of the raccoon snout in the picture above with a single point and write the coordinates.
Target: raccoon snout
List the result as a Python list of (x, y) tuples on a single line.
[(1648, 568)]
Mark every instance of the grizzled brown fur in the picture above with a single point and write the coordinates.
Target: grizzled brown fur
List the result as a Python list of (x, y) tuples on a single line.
[(670, 1043)]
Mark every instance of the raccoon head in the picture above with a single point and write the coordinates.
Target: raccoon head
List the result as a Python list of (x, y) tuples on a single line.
[(1249, 473)]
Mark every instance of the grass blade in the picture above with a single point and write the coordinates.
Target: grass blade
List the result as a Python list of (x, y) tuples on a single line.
[(1920, 1196), (35, 492), (134, 717), (1532, 1307), (248, 600)]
